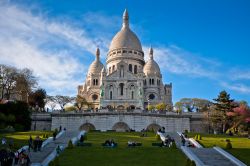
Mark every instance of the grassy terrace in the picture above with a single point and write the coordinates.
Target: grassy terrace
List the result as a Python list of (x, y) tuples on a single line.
[(122, 155), (21, 138), (241, 145)]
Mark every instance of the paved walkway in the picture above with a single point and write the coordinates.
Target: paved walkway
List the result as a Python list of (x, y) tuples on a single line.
[(39, 157), (208, 156)]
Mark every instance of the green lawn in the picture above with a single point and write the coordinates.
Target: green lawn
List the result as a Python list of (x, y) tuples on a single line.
[(241, 145), (21, 138), (121, 155)]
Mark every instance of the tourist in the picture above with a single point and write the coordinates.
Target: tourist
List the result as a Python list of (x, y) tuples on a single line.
[(112, 143), (58, 150), (16, 157), (183, 140), (30, 142), (60, 128), (4, 141), (107, 143), (11, 143), (39, 143), (54, 135)]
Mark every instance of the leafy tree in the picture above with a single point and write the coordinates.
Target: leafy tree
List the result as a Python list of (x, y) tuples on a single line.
[(240, 115), (80, 102), (151, 107), (16, 114), (38, 98), (178, 107), (223, 104), (161, 106), (70, 108)]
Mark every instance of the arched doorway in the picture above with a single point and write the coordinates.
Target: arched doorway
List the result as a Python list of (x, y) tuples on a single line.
[(153, 127), (87, 127), (121, 127)]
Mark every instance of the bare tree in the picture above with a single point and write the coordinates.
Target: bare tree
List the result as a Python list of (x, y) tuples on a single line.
[(63, 100)]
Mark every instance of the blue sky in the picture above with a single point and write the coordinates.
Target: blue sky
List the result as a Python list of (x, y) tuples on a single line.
[(202, 47)]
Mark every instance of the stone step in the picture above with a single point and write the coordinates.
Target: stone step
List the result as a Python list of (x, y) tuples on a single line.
[(211, 157)]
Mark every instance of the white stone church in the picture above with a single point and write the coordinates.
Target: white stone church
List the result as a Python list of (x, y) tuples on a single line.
[(127, 82)]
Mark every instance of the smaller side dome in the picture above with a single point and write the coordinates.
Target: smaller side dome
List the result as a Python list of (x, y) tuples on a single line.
[(151, 67), (96, 66)]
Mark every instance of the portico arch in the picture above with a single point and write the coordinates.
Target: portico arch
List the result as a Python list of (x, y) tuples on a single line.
[(153, 127), (87, 127), (121, 127)]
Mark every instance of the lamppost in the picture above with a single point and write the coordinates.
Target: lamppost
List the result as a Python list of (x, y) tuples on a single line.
[(35, 116), (148, 103)]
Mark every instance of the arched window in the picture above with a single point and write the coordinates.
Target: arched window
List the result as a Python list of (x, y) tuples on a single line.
[(122, 71), (93, 81), (132, 95), (121, 88), (109, 70), (150, 81), (151, 96), (135, 69), (113, 68), (94, 97), (153, 81), (96, 82), (110, 95), (130, 67)]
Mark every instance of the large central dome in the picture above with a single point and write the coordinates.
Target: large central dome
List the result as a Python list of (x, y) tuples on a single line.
[(125, 38)]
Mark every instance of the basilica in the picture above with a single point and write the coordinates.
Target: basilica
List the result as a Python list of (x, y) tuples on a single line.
[(126, 82)]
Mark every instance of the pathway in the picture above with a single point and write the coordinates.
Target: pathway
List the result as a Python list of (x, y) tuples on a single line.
[(38, 157), (208, 156)]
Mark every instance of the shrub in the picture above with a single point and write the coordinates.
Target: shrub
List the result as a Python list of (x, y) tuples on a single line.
[(173, 146), (185, 132), (196, 137), (200, 138), (56, 161), (229, 145), (192, 163), (52, 163), (188, 162), (158, 138), (70, 145)]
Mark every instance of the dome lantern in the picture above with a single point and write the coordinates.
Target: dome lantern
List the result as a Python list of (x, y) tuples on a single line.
[(125, 23)]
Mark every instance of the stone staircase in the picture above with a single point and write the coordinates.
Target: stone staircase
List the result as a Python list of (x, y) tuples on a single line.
[(38, 157), (208, 156), (211, 157)]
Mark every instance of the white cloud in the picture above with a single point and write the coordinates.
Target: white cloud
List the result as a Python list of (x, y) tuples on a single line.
[(35, 42), (241, 88), (178, 61), (237, 74)]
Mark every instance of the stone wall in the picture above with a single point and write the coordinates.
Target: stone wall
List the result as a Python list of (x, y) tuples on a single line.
[(107, 121), (41, 121)]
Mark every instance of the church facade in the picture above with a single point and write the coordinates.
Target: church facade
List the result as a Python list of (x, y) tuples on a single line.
[(126, 82)]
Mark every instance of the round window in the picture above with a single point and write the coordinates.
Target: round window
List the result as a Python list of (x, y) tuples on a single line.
[(94, 97), (151, 96)]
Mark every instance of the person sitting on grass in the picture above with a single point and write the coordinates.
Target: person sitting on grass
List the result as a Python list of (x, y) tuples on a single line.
[(107, 143), (131, 143), (112, 143)]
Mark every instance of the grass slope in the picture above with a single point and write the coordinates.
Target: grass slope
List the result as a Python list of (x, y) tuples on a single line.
[(21, 138), (121, 155)]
